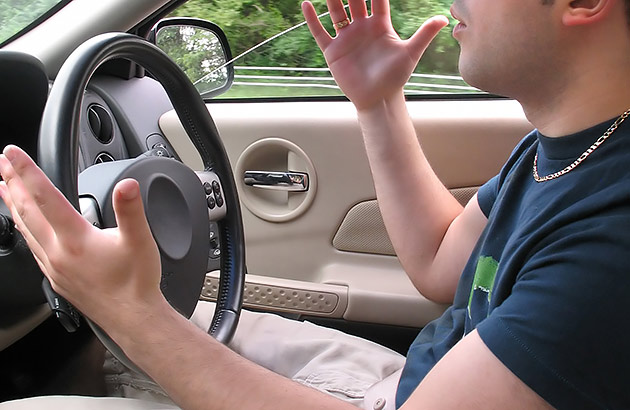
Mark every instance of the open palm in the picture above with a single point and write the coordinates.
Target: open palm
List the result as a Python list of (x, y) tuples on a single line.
[(120, 265), (367, 58)]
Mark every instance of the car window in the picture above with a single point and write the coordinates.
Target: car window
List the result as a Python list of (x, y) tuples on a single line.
[(291, 65), (16, 16)]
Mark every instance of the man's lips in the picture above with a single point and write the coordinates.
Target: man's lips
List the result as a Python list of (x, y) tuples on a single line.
[(458, 29), (456, 16), (460, 26)]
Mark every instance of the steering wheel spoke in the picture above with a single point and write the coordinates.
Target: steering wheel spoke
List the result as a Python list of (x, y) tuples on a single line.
[(90, 211)]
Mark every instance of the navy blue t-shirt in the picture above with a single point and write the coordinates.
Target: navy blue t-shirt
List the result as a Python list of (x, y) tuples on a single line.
[(548, 285)]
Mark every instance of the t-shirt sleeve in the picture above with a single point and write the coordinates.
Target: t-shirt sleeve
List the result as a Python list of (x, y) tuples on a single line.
[(487, 195), (564, 328)]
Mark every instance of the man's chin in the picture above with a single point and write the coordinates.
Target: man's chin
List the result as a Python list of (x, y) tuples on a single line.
[(480, 76)]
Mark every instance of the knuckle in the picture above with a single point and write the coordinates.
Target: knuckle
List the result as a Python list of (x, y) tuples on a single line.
[(75, 249), (8, 174), (22, 211), (38, 197), (19, 164)]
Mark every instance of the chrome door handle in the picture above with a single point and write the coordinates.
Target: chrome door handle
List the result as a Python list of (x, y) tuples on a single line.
[(285, 181)]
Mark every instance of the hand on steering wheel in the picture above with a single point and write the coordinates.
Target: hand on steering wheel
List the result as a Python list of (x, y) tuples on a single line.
[(105, 272), (120, 265)]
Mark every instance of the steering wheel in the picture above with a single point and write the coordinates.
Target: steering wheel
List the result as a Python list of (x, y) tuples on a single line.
[(179, 203)]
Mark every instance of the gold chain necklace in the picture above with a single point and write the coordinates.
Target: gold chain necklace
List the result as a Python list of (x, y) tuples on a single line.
[(584, 155)]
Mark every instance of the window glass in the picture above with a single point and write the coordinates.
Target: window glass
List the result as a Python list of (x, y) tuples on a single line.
[(292, 65), (16, 15)]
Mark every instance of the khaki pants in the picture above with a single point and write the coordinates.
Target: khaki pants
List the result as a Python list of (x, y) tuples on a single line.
[(349, 368)]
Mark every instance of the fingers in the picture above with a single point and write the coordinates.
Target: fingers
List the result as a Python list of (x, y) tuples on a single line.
[(337, 11), (33, 244), (44, 195), (358, 9), (321, 36), (419, 42), (380, 8), (129, 211), (26, 214)]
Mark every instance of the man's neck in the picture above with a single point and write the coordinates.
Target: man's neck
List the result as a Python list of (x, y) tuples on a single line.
[(590, 99)]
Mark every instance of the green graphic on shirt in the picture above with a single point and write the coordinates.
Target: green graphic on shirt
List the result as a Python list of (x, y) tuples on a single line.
[(485, 274)]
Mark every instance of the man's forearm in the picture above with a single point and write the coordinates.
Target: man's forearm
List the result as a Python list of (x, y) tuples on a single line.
[(409, 194), (199, 373)]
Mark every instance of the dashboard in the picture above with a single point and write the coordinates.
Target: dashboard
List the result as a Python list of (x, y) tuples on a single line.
[(119, 120)]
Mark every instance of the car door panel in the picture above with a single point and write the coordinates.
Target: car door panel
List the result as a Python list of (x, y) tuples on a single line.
[(338, 244)]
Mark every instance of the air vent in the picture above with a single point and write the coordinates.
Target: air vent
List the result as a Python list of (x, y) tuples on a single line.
[(100, 123), (103, 157)]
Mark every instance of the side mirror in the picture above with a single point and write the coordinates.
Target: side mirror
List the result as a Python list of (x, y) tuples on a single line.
[(200, 48)]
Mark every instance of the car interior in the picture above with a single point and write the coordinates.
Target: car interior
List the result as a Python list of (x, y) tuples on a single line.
[(318, 251)]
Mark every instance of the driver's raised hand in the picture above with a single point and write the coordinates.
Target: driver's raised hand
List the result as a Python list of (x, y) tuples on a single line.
[(92, 268), (367, 58)]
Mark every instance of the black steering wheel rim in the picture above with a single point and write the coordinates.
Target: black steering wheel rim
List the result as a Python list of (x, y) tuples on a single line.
[(59, 150)]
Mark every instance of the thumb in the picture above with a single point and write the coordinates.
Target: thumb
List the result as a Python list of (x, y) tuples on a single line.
[(129, 211), (419, 42)]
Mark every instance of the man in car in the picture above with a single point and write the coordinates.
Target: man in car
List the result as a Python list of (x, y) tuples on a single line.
[(534, 265)]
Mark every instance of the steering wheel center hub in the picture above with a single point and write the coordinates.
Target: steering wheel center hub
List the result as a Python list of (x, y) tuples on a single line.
[(170, 217), (176, 209)]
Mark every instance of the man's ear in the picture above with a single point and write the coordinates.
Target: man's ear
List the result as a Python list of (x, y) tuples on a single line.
[(582, 12)]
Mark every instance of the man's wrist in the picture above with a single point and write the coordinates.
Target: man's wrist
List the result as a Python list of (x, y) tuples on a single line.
[(382, 105), (138, 321)]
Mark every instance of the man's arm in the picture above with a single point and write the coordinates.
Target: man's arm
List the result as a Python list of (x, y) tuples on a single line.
[(432, 234), (199, 374), (194, 369), (471, 377)]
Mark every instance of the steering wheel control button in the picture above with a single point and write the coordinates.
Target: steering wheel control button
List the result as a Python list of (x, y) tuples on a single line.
[(215, 198), (159, 150), (216, 187), (214, 254)]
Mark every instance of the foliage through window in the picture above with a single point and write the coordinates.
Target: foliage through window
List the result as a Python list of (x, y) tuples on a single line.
[(16, 15), (198, 52), (292, 65)]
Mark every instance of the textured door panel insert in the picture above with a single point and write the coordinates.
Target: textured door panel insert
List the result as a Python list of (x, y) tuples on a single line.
[(363, 230), (289, 296)]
